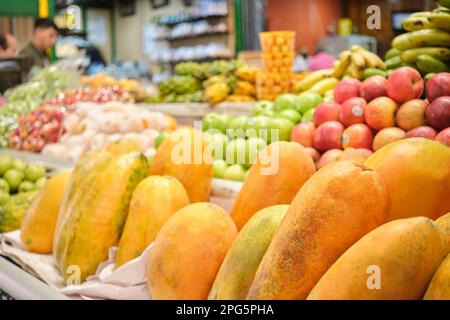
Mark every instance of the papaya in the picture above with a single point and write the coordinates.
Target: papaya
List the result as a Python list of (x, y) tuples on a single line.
[(278, 174), (439, 288), (338, 205), (182, 155), (39, 222), (416, 173), (97, 213), (188, 252), (444, 229), (239, 267), (123, 146), (154, 200), (12, 213), (393, 262)]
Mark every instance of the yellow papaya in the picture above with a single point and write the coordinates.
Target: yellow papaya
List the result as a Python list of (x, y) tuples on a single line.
[(38, 225), (338, 205), (393, 262), (443, 224), (239, 267), (97, 213), (439, 288), (154, 200)]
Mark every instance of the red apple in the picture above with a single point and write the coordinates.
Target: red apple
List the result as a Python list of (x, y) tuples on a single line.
[(326, 111), (380, 113), (444, 136), (303, 133), (387, 136), (357, 136), (328, 136), (438, 113), (352, 111), (405, 84), (422, 132), (373, 87), (366, 152), (411, 114), (329, 157), (315, 155), (438, 86), (346, 89)]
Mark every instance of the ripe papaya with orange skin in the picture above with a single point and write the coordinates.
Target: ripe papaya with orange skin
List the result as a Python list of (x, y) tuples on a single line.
[(97, 213), (292, 167), (393, 262), (416, 173), (188, 252), (182, 155), (239, 267), (39, 223), (154, 200), (443, 224), (439, 288), (338, 205)]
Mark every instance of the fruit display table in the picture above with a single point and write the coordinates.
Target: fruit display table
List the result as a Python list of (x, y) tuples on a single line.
[(187, 113), (18, 284), (53, 163)]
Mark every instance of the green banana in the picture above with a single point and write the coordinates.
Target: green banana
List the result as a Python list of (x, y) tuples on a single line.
[(393, 63), (369, 72), (422, 38), (391, 53), (427, 20), (430, 64), (411, 55)]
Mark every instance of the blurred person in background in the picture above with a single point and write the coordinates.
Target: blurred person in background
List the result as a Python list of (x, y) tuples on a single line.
[(8, 45), (321, 60), (45, 33), (8, 66)]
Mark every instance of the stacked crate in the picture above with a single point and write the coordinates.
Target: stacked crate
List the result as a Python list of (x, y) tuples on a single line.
[(278, 53)]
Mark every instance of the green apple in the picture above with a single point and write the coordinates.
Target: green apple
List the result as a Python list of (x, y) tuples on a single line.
[(26, 186), (258, 126), (160, 138), (4, 197), (217, 144), (34, 171), (286, 101), (262, 106), (14, 177), (236, 151), (19, 165), (308, 116), (4, 186), (208, 120), (219, 168), (220, 122), (235, 172), (40, 183), (308, 100), (6, 163), (237, 127), (291, 115), (254, 146), (282, 128)]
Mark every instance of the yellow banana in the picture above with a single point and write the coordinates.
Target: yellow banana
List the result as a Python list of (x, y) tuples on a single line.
[(371, 59), (427, 20), (356, 71), (324, 85), (422, 38), (345, 58), (358, 60), (308, 81)]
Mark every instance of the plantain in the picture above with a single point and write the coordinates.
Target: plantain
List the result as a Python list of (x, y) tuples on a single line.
[(422, 38), (345, 58), (411, 55), (324, 85), (308, 81)]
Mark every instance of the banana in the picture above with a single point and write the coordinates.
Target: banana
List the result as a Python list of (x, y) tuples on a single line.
[(436, 52), (393, 63), (391, 53), (430, 64), (308, 81), (324, 85), (444, 4), (427, 20), (416, 23), (345, 58), (358, 60), (356, 71), (371, 59), (422, 38), (440, 20)]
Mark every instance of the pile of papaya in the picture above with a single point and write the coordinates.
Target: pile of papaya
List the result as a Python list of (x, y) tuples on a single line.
[(426, 45)]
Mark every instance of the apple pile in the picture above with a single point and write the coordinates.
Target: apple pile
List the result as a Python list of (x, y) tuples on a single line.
[(366, 116), (37, 129), (17, 176)]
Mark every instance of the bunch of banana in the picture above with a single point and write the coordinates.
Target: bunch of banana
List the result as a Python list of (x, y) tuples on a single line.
[(312, 79), (427, 20)]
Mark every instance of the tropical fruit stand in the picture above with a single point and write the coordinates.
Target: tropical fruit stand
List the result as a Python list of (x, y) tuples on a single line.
[(233, 182)]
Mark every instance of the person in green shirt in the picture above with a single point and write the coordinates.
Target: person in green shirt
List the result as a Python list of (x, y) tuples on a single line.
[(45, 33)]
